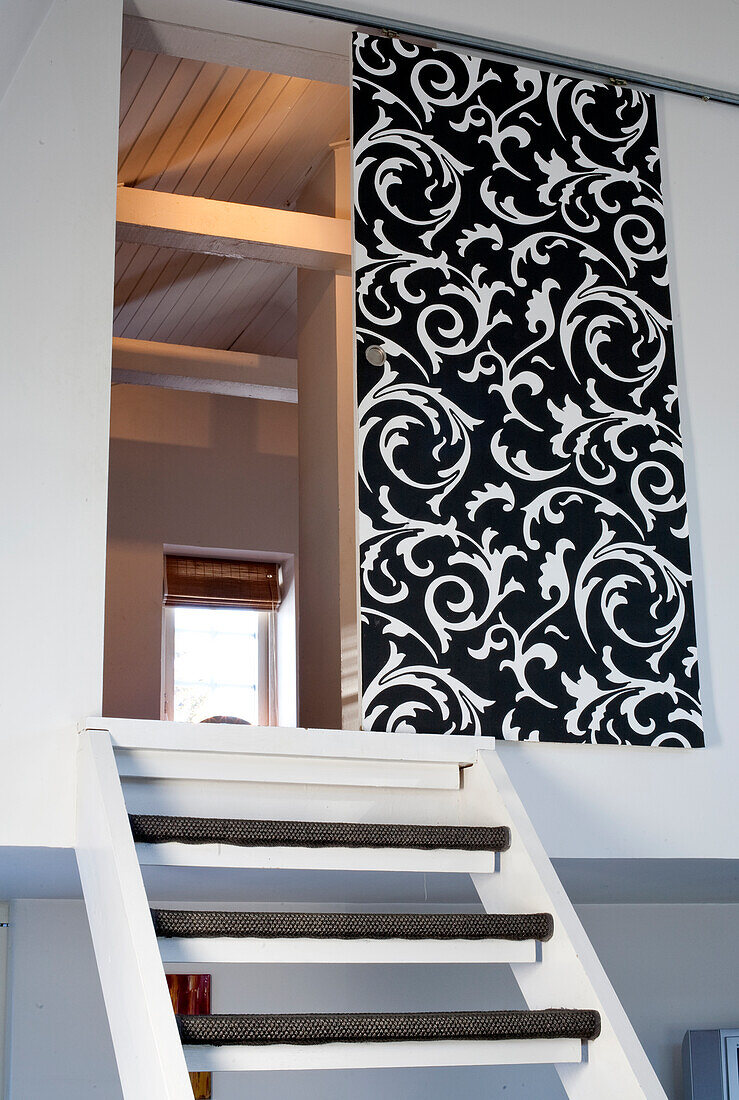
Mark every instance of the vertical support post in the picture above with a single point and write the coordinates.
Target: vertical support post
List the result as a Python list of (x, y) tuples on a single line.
[(327, 657)]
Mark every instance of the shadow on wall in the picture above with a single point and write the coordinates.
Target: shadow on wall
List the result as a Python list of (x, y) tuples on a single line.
[(148, 414)]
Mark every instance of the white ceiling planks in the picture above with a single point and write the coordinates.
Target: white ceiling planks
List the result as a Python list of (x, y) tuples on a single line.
[(152, 277), (267, 328), (136, 268), (251, 281), (215, 131), (187, 298)]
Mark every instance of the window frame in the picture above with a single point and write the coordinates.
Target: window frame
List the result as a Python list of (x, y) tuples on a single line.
[(266, 666)]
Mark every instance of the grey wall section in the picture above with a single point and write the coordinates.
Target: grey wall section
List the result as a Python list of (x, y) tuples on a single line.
[(4, 912), (59, 1043), (674, 967), (186, 469)]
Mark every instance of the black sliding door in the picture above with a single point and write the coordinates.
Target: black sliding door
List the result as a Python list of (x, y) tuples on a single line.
[(524, 559)]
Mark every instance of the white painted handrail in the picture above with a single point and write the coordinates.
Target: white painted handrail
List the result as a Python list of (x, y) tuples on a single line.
[(147, 1045), (617, 1067)]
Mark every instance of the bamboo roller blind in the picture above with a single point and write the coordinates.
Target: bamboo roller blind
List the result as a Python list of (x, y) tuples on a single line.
[(217, 582)]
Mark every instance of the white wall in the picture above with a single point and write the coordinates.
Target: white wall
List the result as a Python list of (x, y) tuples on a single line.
[(187, 469), (587, 803), (602, 802), (58, 123), (678, 38), (674, 967), (597, 802), (670, 803), (18, 33)]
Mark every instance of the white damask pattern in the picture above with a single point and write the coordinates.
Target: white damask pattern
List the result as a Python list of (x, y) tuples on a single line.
[(525, 570)]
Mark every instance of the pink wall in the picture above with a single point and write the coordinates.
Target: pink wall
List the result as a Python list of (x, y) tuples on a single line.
[(186, 469)]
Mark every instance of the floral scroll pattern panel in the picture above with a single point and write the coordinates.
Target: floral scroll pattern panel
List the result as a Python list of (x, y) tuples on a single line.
[(524, 560)]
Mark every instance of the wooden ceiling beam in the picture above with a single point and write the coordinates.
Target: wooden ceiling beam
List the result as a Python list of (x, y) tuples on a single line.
[(204, 370), (233, 230)]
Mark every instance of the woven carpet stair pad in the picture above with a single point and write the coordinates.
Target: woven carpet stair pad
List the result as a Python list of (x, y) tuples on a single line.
[(308, 1029), (354, 926), (155, 829)]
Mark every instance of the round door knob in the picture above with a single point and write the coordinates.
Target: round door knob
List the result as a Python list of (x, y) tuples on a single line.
[(375, 355)]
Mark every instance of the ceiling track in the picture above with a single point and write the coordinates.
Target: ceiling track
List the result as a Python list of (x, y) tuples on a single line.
[(612, 74)]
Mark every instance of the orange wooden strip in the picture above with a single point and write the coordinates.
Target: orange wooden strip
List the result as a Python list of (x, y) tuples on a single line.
[(190, 995)]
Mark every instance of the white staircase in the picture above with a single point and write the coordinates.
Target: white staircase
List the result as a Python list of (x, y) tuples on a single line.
[(269, 775)]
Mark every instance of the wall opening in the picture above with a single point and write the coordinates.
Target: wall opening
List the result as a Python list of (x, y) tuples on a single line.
[(225, 350)]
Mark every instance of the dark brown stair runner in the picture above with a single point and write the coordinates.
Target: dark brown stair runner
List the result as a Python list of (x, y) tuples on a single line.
[(307, 1029), (154, 829), (354, 926)]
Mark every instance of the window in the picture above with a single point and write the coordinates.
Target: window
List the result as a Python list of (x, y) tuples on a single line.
[(219, 662), (219, 639)]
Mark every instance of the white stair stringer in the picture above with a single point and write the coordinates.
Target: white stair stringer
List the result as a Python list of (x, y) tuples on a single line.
[(616, 1067), (429, 780), (149, 1054)]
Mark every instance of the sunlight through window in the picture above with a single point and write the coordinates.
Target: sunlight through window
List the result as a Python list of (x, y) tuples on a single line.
[(216, 663)]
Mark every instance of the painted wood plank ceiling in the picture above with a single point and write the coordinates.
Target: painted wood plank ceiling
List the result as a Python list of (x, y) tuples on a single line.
[(197, 128)]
